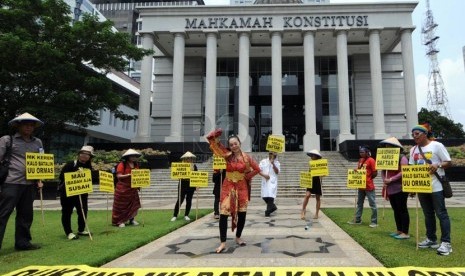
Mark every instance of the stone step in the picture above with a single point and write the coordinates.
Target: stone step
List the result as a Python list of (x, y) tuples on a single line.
[(292, 163)]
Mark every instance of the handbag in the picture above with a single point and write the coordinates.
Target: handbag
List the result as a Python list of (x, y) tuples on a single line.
[(446, 188), (5, 163)]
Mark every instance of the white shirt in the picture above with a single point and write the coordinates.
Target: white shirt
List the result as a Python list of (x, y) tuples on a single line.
[(434, 151), (270, 186)]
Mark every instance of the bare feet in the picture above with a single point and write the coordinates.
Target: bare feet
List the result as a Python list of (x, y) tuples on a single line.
[(315, 217), (302, 215), (240, 242), (221, 248)]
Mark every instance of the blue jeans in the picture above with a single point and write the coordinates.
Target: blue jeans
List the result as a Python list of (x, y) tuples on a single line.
[(371, 195), (434, 204)]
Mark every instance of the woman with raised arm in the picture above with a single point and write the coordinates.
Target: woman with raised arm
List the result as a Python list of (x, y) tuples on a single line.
[(235, 191)]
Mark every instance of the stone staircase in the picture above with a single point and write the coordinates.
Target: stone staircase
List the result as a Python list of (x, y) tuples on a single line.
[(292, 163)]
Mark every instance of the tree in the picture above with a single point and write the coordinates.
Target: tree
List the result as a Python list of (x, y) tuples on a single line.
[(47, 64), (442, 127)]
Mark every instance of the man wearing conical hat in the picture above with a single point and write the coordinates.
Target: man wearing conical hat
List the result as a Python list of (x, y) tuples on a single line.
[(16, 191)]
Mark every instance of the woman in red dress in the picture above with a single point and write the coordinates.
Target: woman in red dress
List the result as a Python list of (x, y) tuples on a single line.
[(126, 202), (235, 190)]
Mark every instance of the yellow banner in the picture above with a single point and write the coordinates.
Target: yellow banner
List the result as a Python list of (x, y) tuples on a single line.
[(416, 179), (387, 159), (356, 179), (81, 270), (78, 183), (219, 163), (275, 143), (199, 179), (306, 180), (319, 167), (140, 178), (39, 166), (106, 183), (180, 170)]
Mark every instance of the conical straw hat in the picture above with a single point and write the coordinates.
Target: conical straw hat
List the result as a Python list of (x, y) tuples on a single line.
[(25, 117), (392, 141)]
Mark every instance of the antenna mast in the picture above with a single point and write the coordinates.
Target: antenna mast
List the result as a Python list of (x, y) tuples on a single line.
[(437, 97)]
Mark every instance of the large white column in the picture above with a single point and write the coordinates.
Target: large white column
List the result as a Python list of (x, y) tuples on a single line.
[(143, 124), (377, 85), (178, 89), (343, 86), (244, 54), (409, 80), (210, 87), (276, 84), (311, 139)]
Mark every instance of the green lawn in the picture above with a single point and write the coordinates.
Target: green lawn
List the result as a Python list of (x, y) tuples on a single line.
[(111, 242), (394, 253), (108, 242)]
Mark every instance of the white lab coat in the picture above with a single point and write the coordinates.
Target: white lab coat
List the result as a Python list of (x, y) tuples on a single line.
[(269, 187)]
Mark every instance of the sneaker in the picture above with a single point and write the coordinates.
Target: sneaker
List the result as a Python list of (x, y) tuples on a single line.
[(216, 216), (187, 218), (373, 225), (445, 249), (173, 218), (71, 236), (121, 225), (83, 233), (427, 243), (133, 222), (354, 222)]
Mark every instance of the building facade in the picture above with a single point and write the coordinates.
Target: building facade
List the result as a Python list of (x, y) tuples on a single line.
[(315, 74)]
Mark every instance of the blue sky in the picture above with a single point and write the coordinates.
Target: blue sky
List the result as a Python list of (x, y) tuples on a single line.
[(447, 14)]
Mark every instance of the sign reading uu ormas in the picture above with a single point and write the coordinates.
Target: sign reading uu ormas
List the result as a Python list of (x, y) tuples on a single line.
[(199, 179), (275, 143), (416, 179), (180, 170), (39, 166), (387, 159), (356, 179), (78, 183), (140, 178)]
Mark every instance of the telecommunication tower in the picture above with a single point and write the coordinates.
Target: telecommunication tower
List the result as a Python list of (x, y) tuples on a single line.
[(437, 97)]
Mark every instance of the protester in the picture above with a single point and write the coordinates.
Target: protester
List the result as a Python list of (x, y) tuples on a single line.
[(271, 167), (218, 177), (126, 202), (429, 151), (83, 161), (17, 192), (235, 193), (392, 184), (366, 162), (184, 189), (315, 189)]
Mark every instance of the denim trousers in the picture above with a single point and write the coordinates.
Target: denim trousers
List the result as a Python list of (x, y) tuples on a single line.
[(434, 204), (371, 196)]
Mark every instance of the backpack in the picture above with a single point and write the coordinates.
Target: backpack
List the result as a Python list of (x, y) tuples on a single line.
[(113, 171)]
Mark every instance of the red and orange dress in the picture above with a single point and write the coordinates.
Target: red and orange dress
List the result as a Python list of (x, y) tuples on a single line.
[(235, 189)]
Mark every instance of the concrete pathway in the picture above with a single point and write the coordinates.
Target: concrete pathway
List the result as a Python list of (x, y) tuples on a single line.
[(282, 240)]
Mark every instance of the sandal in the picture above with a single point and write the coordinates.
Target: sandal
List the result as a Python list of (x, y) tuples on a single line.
[(302, 215)]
